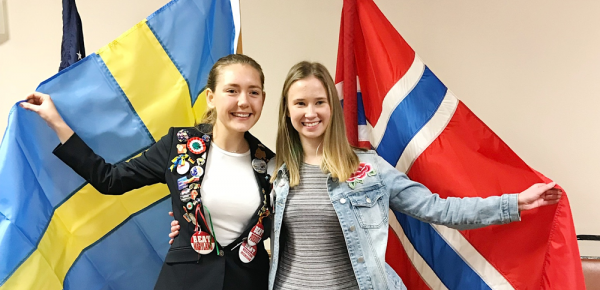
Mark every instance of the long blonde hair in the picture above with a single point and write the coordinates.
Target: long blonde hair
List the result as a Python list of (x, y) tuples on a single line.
[(210, 116), (339, 158)]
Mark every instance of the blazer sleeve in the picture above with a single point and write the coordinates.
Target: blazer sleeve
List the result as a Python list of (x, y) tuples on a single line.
[(145, 169)]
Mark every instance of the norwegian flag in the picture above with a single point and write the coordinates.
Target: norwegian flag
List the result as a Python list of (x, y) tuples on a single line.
[(396, 105)]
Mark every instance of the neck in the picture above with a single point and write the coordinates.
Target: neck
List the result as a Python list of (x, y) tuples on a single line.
[(230, 141), (313, 150)]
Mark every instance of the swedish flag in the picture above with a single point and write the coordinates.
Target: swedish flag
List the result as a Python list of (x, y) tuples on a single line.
[(58, 232)]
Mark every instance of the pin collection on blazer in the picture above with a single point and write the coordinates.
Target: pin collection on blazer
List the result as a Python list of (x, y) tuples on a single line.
[(190, 164)]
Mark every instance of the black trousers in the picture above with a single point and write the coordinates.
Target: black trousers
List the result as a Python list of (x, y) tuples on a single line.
[(216, 272)]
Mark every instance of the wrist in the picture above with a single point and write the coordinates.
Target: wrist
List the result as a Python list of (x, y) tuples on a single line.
[(57, 125), (62, 130), (520, 203)]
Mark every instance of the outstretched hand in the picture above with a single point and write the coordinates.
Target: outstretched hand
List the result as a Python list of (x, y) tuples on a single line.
[(43, 105), (539, 194), (174, 229)]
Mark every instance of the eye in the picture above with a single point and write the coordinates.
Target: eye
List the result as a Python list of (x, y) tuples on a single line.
[(230, 91), (321, 102), (299, 103), (256, 93)]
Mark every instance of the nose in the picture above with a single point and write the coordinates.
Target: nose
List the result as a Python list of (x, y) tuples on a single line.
[(311, 112), (243, 100)]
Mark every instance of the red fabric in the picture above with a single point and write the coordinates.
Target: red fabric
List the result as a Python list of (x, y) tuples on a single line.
[(396, 257), (348, 69), (383, 57), (468, 159)]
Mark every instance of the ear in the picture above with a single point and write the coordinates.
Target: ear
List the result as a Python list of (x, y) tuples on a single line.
[(210, 98), (264, 97)]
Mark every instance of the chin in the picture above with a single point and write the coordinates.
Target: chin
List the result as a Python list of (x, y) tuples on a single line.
[(313, 135), (242, 127)]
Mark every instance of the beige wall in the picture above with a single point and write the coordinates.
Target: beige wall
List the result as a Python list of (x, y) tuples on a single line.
[(528, 69)]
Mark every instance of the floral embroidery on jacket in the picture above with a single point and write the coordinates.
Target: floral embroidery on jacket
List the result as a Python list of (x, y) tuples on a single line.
[(364, 170)]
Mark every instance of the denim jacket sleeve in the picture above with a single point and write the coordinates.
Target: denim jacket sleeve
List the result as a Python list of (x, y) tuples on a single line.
[(414, 199)]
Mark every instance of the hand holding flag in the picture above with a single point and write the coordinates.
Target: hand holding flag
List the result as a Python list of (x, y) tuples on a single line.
[(43, 105), (539, 194)]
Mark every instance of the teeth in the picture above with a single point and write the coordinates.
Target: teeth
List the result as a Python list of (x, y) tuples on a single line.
[(311, 124), (241, 115)]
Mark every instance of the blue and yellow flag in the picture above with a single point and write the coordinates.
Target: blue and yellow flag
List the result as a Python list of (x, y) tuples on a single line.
[(57, 231)]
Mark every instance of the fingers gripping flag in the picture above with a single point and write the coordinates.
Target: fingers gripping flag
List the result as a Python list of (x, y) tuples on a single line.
[(414, 122), (58, 232)]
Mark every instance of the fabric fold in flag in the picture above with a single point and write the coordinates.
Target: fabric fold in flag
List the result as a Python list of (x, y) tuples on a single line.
[(414, 122), (120, 100)]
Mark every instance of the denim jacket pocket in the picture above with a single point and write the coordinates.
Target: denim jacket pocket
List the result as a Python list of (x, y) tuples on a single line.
[(368, 206)]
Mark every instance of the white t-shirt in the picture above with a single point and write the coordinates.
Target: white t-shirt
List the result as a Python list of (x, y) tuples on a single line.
[(230, 192)]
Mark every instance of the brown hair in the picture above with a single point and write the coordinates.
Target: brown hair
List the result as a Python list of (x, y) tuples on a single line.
[(339, 158), (210, 116)]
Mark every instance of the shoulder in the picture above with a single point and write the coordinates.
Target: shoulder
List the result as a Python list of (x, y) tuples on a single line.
[(366, 155), (258, 148), (174, 130), (199, 130), (371, 157)]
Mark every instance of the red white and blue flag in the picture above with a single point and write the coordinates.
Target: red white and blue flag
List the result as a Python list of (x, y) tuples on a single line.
[(396, 105)]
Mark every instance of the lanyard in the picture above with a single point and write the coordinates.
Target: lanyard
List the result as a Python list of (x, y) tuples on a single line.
[(211, 229)]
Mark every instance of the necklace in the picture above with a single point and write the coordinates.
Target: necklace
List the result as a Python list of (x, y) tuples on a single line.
[(240, 146)]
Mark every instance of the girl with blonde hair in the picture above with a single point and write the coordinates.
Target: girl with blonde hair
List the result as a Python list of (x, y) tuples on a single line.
[(331, 201)]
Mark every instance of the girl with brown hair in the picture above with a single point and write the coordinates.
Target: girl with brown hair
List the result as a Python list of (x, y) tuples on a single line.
[(222, 221)]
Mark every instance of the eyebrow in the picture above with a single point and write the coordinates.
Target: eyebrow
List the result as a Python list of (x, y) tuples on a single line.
[(304, 99), (237, 86)]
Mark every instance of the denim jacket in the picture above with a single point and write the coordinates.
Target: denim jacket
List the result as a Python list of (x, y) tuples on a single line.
[(362, 209)]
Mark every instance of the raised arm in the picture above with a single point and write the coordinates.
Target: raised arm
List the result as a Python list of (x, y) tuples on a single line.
[(146, 169), (416, 200)]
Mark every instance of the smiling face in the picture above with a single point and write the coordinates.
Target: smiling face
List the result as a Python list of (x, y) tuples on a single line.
[(309, 109), (238, 98)]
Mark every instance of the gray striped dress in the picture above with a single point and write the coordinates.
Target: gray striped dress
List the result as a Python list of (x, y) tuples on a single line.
[(315, 254)]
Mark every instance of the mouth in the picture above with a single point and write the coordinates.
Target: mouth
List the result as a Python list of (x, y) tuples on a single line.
[(310, 124), (241, 115)]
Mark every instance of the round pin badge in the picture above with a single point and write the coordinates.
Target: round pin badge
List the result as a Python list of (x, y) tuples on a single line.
[(189, 205), (185, 195), (197, 171), (247, 252), (256, 234), (183, 135), (206, 138), (259, 165), (202, 243), (196, 145), (183, 168)]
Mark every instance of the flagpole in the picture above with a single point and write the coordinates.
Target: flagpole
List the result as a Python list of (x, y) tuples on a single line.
[(350, 103), (239, 49)]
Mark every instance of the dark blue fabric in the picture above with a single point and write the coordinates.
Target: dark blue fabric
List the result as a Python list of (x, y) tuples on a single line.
[(72, 48)]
